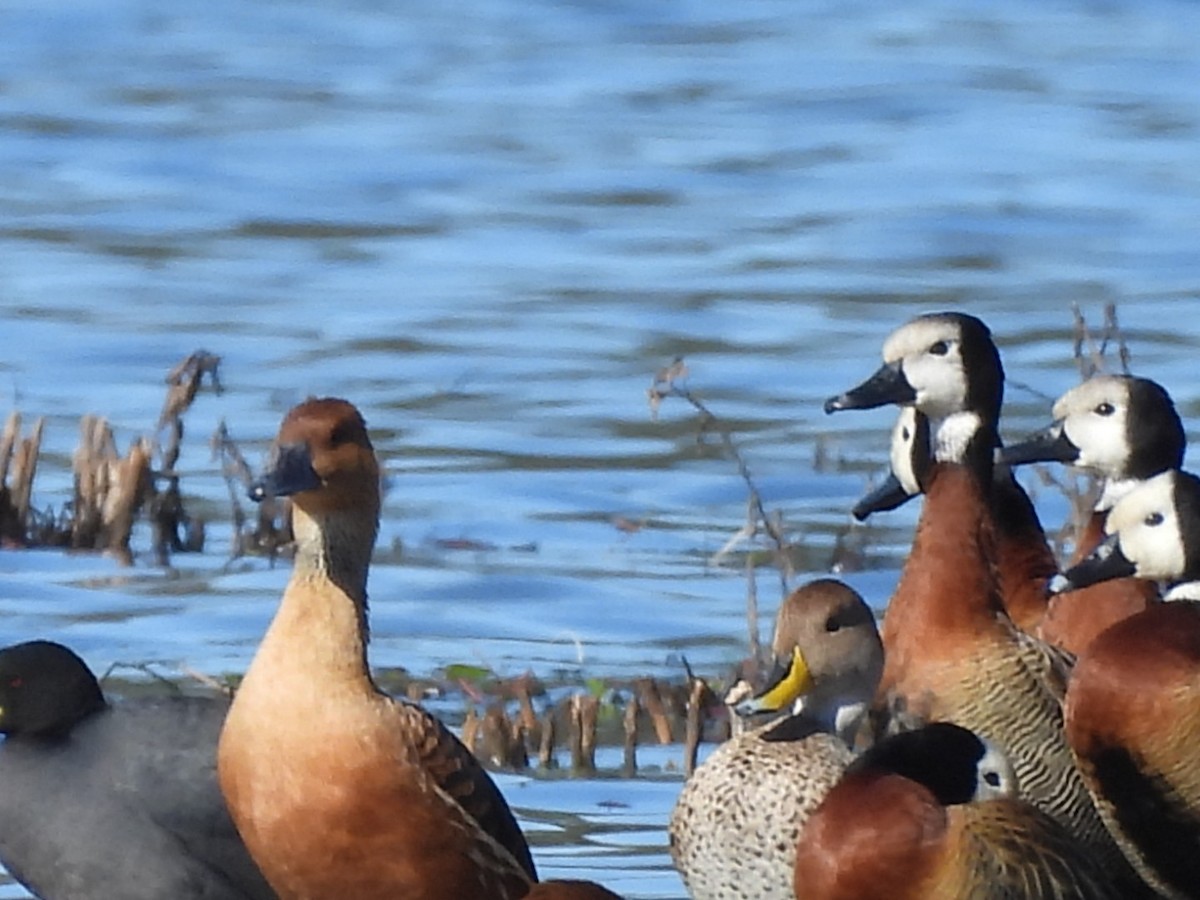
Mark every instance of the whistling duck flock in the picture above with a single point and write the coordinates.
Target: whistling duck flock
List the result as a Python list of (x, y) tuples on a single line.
[(1009, 731)]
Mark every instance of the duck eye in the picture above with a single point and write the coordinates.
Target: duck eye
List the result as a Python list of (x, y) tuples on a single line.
[(905, 434), (16, 681), (1105, 409), (833, 624), (993, 779), (1153, 519), (941, 348)]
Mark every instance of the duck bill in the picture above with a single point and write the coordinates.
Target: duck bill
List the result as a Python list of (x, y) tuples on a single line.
[(887, 385), (1048, 445), (789, 681), (290, 471), (888, 496), (1104, 563)]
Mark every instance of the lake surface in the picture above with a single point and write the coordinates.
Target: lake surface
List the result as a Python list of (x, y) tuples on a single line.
[(490, 224)]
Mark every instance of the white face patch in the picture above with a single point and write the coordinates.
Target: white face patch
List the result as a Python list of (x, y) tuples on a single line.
[(904, 434), (996, 777), (929, 351), (1147, 526), (1094, 416)]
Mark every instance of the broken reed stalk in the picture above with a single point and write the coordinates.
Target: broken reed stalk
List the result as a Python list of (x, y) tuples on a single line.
[(130, 484), (470, 730), (167, 514), (652, 702), (503, 740), (520, 688), (12, 427), (109, 490), (584, 712), (20, 457), (695, 724), (630, 722), (546, 759), (24, 470)]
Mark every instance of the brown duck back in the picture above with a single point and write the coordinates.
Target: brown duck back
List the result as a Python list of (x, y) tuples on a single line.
[(1133, 719)]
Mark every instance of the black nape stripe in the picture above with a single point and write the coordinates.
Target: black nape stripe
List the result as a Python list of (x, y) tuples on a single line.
[(985, 371), (1154, 431), (1187, 513), (1149, 812), (921, 453)]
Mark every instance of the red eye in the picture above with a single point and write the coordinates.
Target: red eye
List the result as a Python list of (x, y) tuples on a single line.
[(16, 682)]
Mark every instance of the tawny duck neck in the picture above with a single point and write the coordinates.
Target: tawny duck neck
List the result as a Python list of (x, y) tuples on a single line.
[(329, 582), (337, 546)]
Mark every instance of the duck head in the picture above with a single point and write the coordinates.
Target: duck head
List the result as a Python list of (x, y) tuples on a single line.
[(1122, 428), (323, 461), (828, 657), (1153, 533), (941, 363)]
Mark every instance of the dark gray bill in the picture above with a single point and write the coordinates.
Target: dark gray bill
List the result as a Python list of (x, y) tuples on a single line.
[(887, 385), (1048, 445), (889, 495), (290, 471), (1104, 563)]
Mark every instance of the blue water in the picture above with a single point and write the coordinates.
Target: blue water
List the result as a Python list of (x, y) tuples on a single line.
[(489, 224)]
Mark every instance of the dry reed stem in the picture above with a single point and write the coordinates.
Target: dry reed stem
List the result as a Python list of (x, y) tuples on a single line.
[(24, 470), (652, 702), (520, 688), (470, 730), (630, 722), (584, 712), (12, 427), (183, 382), (502, 740), (695, 725), (129, 484), (546, 758)]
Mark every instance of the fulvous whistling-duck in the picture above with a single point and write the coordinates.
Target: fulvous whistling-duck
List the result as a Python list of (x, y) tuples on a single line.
[(339, 790), (951, 651), (1133, 706), (932, 814), (734, 828), (100, 801), (1123, 429)]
